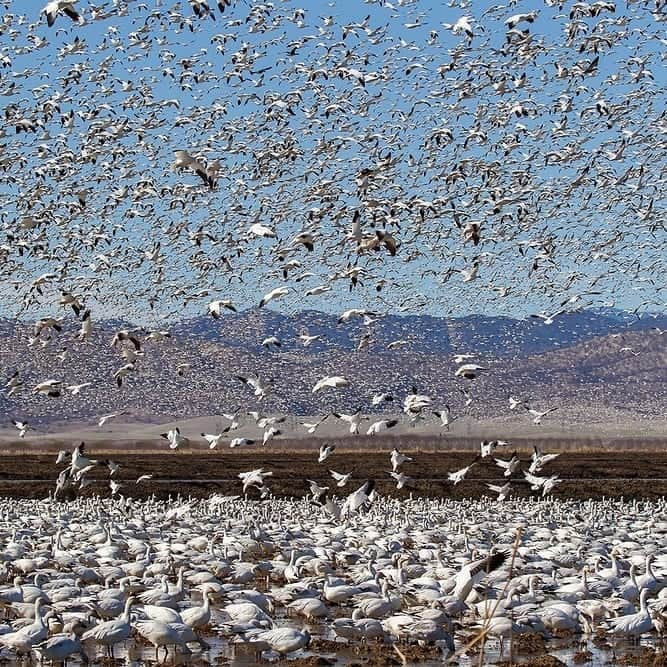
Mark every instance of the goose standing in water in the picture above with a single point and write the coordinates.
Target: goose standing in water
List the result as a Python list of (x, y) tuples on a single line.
[(633, 625), (110, 633)]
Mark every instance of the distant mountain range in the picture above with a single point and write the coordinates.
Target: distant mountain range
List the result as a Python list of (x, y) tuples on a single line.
[(424, 334), (592, 365)]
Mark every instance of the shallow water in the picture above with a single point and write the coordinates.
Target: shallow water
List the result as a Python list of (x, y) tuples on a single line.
[(227, 652)]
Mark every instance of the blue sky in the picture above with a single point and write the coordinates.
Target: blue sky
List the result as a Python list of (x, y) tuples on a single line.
[(569, 242)]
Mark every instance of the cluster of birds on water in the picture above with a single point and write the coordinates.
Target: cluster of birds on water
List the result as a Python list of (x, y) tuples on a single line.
[(205, 577)]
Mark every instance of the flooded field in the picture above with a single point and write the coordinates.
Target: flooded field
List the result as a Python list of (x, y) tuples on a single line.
[(424, 582)]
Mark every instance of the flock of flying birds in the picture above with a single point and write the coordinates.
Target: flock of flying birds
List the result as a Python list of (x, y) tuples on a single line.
[(414, 158)]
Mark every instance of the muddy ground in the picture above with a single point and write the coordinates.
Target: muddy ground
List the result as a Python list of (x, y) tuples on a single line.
[(633, 474)]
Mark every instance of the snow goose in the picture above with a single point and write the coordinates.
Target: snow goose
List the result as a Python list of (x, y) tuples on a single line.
[(254, 478), (469, 371), (633, 625), (398, 459), (199, 617), (341, 479), (56, 7), (311, 427), (105, 418), (334, 381), (311, 608), (161, 634), (183, 160), (445, 417), (175, 439), (13, 384), (259, 387), (241, 442), (509, 467), (21, 426), (273, 295), (538, 416), (58, 648), (353, 420), (282, 640), (380, 426), (359, 498), (473, 573), (110, 633), (325, 452), (214, 439), (459, 475), (401, 479), (502, 491), (539, 460), (48, 388), (215, 307), (339, 593)]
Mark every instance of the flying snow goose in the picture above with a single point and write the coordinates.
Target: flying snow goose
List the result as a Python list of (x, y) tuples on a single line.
[(473, 573), (445, 417), (215, 307), (126, 335), (398, 459), (214, 439), (123, 372), (325, 452), (75, 389), (258, 229), (353, 420), (183, 160), (48, 388), (305, 239), (502, 491), (509, 467), (359, 498), (241, 442), (469, 371), (459, 475), (21, 426), (341, 479), (105, 418), (539, 460), (380, 426), (13, 384), (175, 439), (401, 479), (273, 295), (381, 398), (334, 381), (311, 427), (65, 7), (259, 388), (538, 416), (270, 433)]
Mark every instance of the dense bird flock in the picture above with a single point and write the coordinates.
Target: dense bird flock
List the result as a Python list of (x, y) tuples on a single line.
[(181, 576), (165, 158)]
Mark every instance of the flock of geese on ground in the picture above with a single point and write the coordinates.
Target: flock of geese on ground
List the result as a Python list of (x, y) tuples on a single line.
[(200, 576)]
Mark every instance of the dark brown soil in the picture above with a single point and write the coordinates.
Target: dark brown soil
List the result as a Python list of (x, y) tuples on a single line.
[(581, 657), (585, 474)]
